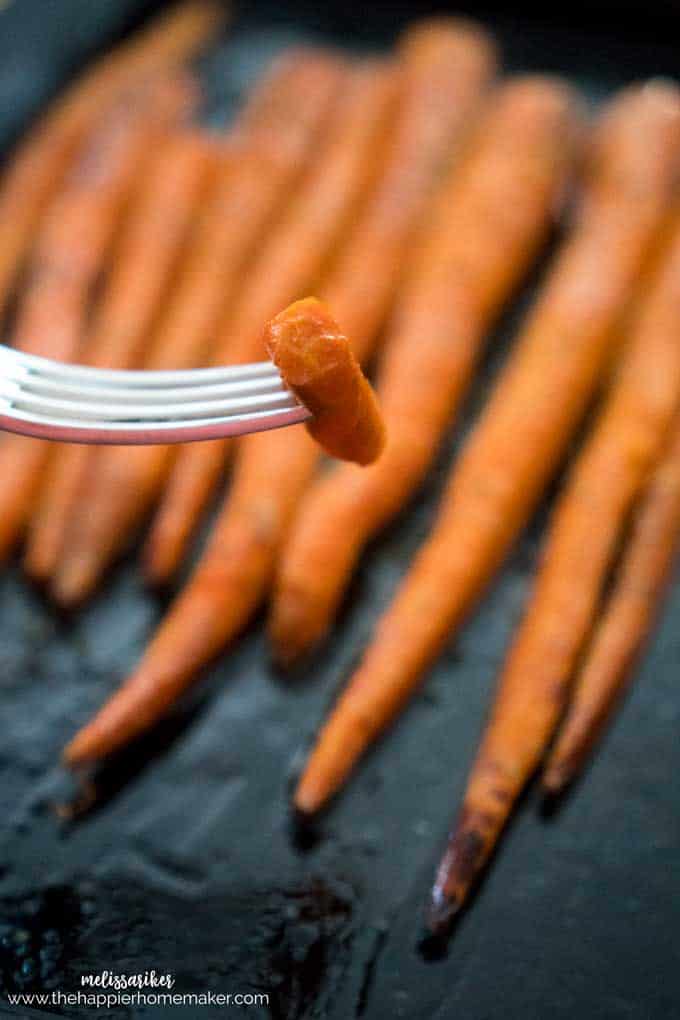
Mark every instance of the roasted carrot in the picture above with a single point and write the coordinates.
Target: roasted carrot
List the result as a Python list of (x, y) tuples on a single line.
[(308, 327), (299, 243), (446, 65), (316, 363), (488, 222), (628, 614), (70, 253), (144, 260), (579, 549), (38, 166), (516, 446)]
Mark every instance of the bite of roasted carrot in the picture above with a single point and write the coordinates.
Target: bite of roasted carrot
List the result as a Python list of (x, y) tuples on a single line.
[(316, 362)]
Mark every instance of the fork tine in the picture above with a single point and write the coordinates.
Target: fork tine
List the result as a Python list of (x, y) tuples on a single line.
[(110, 433), (126, 378), (37, 384), (96, 410)]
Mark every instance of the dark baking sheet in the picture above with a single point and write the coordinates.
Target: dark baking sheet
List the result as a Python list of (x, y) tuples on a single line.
[(190, 864)]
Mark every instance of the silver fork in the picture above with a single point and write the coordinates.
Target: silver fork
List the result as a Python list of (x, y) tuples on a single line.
[(72, 403)]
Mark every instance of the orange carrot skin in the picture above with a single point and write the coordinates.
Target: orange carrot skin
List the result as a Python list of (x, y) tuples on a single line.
[(516, 445), (628, 616), (316, 362), (143, 263), (72, 248), (447, 65), (580, 547), (250, 190), (37, 167), (488, 222)]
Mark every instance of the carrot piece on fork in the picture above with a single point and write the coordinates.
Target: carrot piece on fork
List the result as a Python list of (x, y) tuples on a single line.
[(144, 261), (516, 446), (41, 160), (71, 251), (127, 483), (447, 65), (627, 617), (304, 334), (316, 363), (487, 224), (580, 548)]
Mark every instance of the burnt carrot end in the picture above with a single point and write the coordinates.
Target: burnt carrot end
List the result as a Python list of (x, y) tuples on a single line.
[(316, 361)]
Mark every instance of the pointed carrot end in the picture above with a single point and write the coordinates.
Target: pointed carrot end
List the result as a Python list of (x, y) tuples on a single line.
[(75, 580), (442, 911), (38, 564), (79, 751), (296, 625), (287, 637), (308, 798), (558, 775)]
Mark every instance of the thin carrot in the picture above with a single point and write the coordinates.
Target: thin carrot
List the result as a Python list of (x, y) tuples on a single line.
[(447, 64), (580, 547), (297, 246), (70, 253), (517, 444), (309, 328), (488, 223), (316, 363), (144, 260), (628, 615), (40, 162)]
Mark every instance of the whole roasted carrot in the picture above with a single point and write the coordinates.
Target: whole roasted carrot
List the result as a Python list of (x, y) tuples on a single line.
[(446, 65), (627, 617), (523, 432), (38, 166), (580, 547), (488, 222), (144, 261), (310, 336), (298, 245), (70, 253)]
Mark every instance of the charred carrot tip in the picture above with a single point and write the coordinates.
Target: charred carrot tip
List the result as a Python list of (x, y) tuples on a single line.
[(557, 778), (441, 913), (316, 361)]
